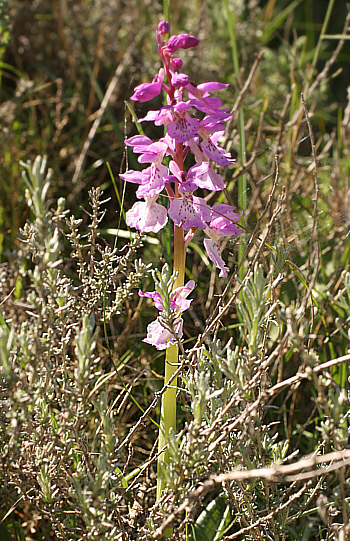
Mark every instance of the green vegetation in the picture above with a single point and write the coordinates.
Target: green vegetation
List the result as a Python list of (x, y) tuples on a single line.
[(261, 450)]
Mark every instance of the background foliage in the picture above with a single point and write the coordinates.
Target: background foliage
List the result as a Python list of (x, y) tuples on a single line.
[(266, 384)]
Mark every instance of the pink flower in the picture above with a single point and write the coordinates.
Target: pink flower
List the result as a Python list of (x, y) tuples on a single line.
[(160, 337), (223, 223), (180, 79), (211, 149), (178, 297), (182, 41), (224, 220), (162, 31), (151, 179), (157, 334), (190, 211), (147, 216), (183, 126), (147, 91)]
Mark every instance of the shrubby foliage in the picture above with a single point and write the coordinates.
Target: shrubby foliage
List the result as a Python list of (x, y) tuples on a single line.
[(262, 445)]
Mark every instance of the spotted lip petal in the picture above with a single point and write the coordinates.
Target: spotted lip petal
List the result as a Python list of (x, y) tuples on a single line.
[(183, 127), (215, 153), (190, 211)]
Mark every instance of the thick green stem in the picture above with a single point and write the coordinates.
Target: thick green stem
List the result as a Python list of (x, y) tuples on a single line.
[(168, 409)]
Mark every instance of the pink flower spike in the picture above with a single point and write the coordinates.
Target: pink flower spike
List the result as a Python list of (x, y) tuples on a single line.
[(214, 255), (147, 216)]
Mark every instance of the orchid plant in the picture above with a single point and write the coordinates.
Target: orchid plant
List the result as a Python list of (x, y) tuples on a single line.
[(185, 135)]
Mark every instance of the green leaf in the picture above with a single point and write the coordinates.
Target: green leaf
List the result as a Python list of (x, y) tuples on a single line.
[(278, 21), (123, 480), (212, 521), (135, 119)]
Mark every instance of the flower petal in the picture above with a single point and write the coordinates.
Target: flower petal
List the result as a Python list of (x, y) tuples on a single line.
[(146, 92), (160, 337), (147, 216), (214, 255), (190, 211)]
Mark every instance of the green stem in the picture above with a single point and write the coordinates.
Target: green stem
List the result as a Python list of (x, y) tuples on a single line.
[(168, 407)]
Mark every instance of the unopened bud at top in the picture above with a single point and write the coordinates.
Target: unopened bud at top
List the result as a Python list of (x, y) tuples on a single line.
[(163, 30)]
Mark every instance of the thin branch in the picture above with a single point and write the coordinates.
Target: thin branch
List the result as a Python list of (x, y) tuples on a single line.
[(276, 473)]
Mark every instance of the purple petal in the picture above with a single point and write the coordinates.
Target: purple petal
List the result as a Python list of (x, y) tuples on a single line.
[(155, 184), (178, 296), (136, 177), (209, 180), (224, 220), (146, 92), (198, 169), (181, 106), (215, 153), (214, 255), (182, 41), (211, 127), (163, 27), (158, 301), (211, 86), (180, 79), (183, 128), (176, 63), (153, 153), (190, 211), (138, 140)]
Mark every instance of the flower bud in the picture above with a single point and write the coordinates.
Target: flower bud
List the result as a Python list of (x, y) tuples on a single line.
[(182, 41), (176, 64), (180, 79), (146, 92), (163, 29)]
